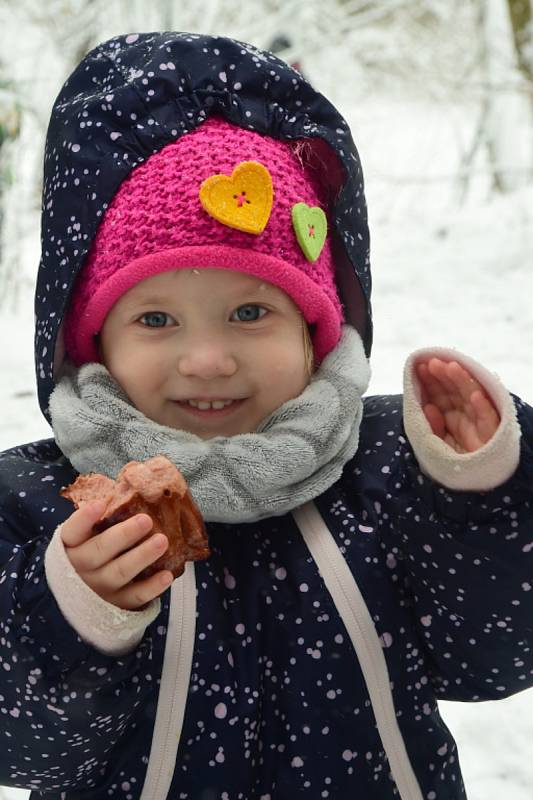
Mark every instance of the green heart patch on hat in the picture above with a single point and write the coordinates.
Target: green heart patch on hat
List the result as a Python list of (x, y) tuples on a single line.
[(310, 226)]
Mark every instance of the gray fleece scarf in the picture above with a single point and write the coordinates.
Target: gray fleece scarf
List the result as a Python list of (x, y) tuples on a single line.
[(295, 454)]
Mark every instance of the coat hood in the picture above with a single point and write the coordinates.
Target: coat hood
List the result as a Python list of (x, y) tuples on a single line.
[(136, 93)]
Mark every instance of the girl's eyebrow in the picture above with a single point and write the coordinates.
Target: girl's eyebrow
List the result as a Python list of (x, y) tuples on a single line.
[(239, 292), (263, 287), (152, 300)]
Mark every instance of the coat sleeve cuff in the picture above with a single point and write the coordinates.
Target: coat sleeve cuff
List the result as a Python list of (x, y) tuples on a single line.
[(486, 468), (111, 630)]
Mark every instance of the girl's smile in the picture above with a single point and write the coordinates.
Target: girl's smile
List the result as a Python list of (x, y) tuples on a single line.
[(211, 409), (209, 351)]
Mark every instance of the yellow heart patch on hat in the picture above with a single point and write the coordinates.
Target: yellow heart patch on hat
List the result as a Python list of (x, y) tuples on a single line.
[(242, 200)]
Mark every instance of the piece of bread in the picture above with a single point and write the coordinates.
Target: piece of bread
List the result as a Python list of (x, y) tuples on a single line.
[(155, 487)]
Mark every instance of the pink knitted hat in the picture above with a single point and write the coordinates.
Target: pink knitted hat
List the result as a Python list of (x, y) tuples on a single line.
[(157, 222)]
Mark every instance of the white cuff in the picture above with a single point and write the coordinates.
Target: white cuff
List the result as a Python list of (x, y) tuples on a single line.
[(484, 469), (111, 630)]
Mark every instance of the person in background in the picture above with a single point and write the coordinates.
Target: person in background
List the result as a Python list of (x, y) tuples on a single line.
[(279, 45)]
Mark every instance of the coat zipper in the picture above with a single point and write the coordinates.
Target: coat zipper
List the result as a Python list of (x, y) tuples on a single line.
[(354, 613), (175, 677)]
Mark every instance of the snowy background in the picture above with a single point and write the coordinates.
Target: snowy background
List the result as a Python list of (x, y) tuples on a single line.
[(440, 109)]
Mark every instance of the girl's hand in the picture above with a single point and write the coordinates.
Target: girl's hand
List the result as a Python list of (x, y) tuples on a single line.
[(108, 562), (456, 405)]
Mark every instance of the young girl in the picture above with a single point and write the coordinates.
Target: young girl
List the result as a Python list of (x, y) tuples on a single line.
[(204, 293)]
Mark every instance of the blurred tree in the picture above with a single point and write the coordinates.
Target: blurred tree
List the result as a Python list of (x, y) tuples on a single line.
[(522, 24), (10, 120), (507, 104)]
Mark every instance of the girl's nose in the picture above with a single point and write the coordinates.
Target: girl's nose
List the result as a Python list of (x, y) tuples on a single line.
[(207, 360)]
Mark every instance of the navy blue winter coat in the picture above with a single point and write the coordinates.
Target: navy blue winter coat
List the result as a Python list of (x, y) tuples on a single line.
[(306, 656)]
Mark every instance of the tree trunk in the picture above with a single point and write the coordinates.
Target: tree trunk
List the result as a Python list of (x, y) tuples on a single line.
[(508, 111), (522, 24)]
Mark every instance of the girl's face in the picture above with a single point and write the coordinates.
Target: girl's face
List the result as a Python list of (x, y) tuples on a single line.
[(208, 351)]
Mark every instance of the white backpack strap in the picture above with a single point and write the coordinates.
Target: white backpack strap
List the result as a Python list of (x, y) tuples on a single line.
[(354, 613)]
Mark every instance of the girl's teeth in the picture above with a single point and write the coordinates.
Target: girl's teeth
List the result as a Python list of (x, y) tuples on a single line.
[(204, 405)]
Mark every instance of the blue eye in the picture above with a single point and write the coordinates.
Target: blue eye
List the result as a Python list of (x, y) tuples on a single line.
[(156, 319), (248, 313)]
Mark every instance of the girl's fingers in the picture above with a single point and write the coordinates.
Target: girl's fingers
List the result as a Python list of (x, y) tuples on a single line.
[(428, 381), (423, 377), (119, 572), (465, 383), (447, 383), (435, 419), (478, 406), (456, 405), (139, 593), (439, 369), (436, 388), (103, 547), (488, 418), (78, 528), (109, 562)]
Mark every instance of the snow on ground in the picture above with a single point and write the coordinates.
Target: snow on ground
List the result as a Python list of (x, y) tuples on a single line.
[(444, 274)]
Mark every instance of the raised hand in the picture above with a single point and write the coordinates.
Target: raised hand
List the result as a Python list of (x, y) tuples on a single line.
[(108, 562), (455, 404)]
